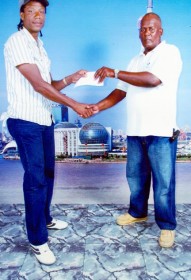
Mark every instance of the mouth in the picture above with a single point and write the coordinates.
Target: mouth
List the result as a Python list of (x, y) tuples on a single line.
[(148, 41), (37, 23)]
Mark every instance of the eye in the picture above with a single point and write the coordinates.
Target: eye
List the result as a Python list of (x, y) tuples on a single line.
[(147, 29), (152, 30), (33, 11), (30, 11)]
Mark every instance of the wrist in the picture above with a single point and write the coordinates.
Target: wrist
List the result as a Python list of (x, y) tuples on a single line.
[(65, 82), (116, 71), (98, 107)]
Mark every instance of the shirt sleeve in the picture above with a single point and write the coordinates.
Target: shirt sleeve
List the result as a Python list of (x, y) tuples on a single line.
[(167, 64), (18, 51)]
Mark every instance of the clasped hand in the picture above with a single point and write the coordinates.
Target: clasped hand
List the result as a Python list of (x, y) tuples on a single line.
[(86, 110)]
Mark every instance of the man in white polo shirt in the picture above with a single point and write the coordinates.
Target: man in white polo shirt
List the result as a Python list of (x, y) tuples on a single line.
[(150, 85), (30, 90)]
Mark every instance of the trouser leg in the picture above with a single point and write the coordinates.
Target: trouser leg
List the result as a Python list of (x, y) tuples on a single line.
[(162, 155), (138, 176), (29, 138), (49, 159)]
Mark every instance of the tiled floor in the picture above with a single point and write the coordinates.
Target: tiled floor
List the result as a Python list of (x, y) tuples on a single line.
[(93, 247)]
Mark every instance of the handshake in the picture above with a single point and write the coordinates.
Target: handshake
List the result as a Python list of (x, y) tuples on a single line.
[(86, 110)]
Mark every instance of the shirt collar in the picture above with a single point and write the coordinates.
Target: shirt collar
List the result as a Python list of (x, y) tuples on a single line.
[(30, 38), (159, 46)]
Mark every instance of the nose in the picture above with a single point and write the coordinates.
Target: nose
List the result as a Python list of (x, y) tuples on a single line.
[(148, 31), (37, 14)]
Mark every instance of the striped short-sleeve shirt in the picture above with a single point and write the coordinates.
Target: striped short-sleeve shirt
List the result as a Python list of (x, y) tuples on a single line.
[(24, 102)]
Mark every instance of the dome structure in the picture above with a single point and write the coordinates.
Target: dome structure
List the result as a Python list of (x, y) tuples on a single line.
[(93, 133), (11, 145), (65, 125)]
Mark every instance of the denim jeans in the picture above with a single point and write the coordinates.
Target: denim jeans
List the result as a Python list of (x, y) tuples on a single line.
[(36, 148), (152, 157)]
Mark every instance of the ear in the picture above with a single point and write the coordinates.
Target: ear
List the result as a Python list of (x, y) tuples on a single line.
[(22, 15), (161, 31)]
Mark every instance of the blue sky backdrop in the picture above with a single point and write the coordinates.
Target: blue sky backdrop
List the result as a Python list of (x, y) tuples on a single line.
[(86, 34)]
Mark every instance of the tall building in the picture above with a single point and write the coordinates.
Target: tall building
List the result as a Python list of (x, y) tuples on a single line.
[(60, 113), (66, 139), (64, 113)]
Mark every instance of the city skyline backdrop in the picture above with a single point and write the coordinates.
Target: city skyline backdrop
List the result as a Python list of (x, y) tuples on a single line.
[(81, 34)]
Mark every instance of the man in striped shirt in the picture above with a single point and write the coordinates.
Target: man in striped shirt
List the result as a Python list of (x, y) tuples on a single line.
[(31, 91)]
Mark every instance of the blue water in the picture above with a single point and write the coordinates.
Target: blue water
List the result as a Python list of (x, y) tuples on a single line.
[(73, 178), (72, 174)]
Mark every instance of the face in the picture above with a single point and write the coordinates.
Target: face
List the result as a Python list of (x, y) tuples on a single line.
[(150, 32), (33, 17)]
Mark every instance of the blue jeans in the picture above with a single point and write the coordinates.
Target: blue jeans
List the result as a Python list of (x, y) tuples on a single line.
[(154, 157), (36, 148)]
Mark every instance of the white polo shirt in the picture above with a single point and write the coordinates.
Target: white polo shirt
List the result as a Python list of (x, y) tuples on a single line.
[(24, 102), (152, 111)]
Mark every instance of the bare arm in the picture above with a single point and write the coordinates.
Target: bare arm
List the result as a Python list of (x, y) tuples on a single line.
[(73, 78), (139, 79), (32, 74), (112, 99)]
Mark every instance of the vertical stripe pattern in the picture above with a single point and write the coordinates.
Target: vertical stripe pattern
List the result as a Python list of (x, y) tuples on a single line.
[(24, 102)]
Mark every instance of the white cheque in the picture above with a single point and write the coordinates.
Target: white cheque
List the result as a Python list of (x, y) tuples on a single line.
[(88, 80)]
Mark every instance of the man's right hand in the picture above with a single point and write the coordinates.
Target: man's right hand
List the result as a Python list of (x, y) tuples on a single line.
[(85, 110), (94, 108)]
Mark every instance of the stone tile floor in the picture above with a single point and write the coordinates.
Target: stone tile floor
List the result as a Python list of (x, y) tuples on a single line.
[(94, 247)]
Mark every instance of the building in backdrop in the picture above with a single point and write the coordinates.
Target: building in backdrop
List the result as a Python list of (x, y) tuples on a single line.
[(94, 139), (90, 139), (66, 137), (60, 113)]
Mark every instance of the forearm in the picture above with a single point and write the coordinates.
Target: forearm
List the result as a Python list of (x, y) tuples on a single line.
[(32, 74), (53, 94), (139, 79), (49, 92), (68, 80), (59, 85), (112, 99)]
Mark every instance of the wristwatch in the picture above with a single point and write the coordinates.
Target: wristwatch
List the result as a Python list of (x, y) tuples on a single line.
[(116, 71)]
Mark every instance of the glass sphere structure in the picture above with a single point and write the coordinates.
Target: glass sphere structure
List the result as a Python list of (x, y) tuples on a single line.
[(93, 133)]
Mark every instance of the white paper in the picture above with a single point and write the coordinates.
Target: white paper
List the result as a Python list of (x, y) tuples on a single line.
[(88, 80)]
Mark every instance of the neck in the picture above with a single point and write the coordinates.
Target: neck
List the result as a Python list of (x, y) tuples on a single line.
[(35, 35)]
